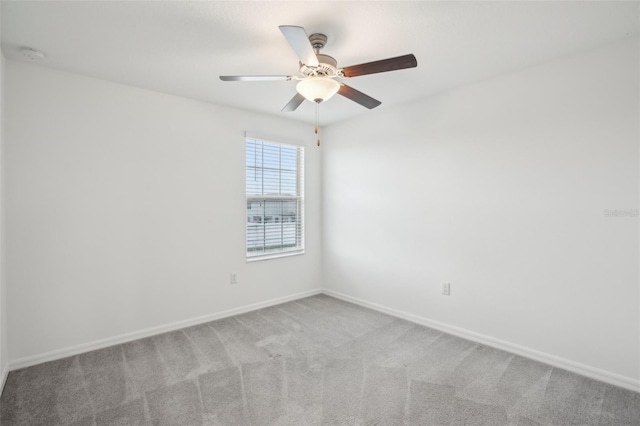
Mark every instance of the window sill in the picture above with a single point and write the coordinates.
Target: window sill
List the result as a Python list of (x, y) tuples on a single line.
[(274, 256)]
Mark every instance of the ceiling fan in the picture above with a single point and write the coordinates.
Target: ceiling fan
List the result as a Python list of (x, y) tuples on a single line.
[(318, 72), (317, 82)]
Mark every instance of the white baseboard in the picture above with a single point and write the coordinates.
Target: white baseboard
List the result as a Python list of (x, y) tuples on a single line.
[(555, 361), (3, 378), (578, 368), (123, 338)]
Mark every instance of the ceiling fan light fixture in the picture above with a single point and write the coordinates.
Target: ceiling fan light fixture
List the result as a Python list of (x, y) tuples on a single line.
[(318, 89)]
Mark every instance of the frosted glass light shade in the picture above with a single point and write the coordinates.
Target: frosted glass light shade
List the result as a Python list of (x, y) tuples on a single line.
[(318, 89)]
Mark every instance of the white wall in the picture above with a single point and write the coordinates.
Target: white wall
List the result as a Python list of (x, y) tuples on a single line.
[(500, 188), (125, 210), (4, 360)]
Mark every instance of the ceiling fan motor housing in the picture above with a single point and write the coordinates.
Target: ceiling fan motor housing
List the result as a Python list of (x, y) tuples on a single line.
[(327, 67)]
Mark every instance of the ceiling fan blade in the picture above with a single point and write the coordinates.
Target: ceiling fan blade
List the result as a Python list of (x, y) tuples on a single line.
[(384, 65), (358, 97), (294, 103), (255, 77), (299, 41)]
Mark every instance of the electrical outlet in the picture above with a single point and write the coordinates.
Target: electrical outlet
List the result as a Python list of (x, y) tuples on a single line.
[(446, 289), (233, 279)]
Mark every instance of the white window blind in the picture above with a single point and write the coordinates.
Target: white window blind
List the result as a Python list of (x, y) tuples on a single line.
[(275, 198)]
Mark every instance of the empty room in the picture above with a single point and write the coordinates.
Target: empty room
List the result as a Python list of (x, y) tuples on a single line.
[(320, 213)]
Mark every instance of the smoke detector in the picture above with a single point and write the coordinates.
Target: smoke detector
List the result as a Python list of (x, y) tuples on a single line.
[(32, 54)]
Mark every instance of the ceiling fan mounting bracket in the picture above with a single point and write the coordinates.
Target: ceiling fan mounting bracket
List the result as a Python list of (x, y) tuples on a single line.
[(318, 41)]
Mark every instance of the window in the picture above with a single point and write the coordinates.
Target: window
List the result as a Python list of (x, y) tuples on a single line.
[(275, 198)]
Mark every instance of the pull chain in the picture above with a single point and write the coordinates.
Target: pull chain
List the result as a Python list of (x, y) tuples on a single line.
[(317, 129)]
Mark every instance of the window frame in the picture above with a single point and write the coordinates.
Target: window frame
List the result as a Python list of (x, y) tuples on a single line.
[(299, 197)]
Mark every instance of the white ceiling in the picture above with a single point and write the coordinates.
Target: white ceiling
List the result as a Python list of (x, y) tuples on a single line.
[(182, 47)]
